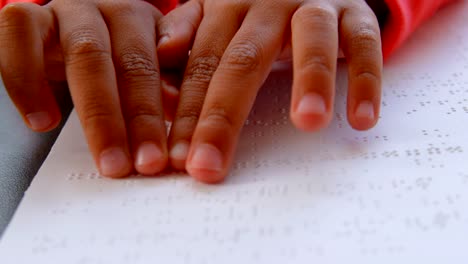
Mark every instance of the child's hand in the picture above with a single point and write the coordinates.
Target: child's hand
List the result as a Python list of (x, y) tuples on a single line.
[(107, 51), (235, 43)]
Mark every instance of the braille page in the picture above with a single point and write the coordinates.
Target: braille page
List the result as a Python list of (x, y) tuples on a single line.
[(395, 194)]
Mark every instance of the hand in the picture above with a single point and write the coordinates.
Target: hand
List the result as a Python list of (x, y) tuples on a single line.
[(234, 45), (106, 50)]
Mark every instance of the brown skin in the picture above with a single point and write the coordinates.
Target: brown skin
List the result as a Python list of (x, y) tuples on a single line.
[(106, 51), (234, 46)]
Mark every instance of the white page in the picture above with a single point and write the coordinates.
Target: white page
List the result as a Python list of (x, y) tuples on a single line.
[(395, 194)]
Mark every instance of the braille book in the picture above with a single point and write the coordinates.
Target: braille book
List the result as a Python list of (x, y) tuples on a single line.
[(395, 194)]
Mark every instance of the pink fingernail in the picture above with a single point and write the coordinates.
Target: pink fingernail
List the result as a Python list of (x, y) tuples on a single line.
[(207, 157), (163, 40), (179, 151), (311, 104), (171, 89), (148, 154), (365, 110), (39, 120), (113, 161)]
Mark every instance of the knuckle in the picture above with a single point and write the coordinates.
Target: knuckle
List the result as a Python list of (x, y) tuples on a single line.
[(136, 63), (16, 11), (201, 69), (365, 34), (189, 117), (244, 56), (220, 118), (17, 84), (237, 6), (191, 109), (16, 79), (368, 74), (142, 114), (317, 62), (120, 8), (84, 42), (16, 18), (94, 113), (318, 13)]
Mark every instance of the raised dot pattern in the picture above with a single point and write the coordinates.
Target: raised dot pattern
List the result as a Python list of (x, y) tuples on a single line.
[(394, 194)]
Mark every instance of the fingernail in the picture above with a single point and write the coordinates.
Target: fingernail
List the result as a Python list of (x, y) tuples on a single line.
[(179, 151), (365, 110), (163, 40), (311, 103), (148, 154), (39, 120), (207, 157), (171, 89), (113, 161)]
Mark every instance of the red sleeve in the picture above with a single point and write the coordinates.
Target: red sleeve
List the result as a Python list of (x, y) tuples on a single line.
[(5, 2), (405, 16), (163, 5)]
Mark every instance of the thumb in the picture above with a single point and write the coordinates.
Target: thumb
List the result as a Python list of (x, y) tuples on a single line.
[(176, 32)]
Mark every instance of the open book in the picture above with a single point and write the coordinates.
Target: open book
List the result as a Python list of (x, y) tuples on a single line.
[(395, 194)]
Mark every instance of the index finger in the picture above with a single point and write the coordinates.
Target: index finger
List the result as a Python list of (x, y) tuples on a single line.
[(231, 93), (92, 81)]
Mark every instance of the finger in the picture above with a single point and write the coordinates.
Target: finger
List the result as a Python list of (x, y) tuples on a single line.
[(91, 77), (176, 32), (135, 60), (244, 67), (21, 25), (212, 39), (361, 44), (315, 51)]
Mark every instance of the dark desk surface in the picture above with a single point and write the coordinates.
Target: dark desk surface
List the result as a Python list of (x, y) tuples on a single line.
[(21, 154)]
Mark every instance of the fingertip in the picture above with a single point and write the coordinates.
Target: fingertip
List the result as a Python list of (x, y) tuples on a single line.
[(208, 179), (171, 34), (114, 163), (178, 155), (150, 159), (311, 113), (42, 121), (364, 116), (206, 176), (206, 164)]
